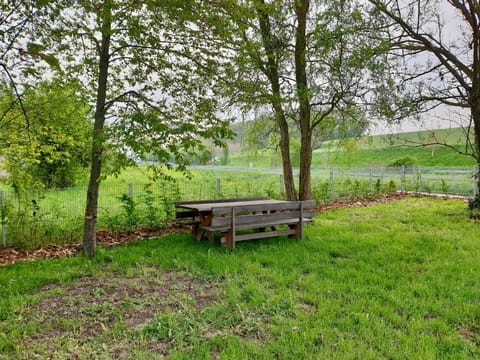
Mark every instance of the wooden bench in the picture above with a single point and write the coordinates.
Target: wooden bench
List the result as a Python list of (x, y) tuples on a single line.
[(228, 220)]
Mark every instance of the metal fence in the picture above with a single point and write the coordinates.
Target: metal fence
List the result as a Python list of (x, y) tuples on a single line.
[(56, 216)]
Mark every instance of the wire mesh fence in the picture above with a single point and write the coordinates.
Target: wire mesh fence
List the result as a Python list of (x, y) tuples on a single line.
[(35, 218)]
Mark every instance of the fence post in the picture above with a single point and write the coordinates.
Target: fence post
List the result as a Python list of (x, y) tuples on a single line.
[(453, 187), (476, 174), (130, 189), (419, 179), (219, 187), (332, 193), (4, 222), (402, 180)]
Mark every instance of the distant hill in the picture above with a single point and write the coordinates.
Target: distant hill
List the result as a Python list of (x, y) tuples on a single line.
[(376, 151)]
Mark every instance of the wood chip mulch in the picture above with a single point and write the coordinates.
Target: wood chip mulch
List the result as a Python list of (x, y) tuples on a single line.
[(104, 238), (109, 239)]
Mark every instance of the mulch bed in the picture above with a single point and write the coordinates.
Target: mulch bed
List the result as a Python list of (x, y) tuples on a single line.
[(104, 239), (109, 239)]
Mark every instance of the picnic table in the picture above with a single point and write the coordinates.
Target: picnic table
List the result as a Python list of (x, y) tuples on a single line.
[(259, 214)]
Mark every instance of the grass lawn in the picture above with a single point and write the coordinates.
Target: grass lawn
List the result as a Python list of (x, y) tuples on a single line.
[(398, 280)]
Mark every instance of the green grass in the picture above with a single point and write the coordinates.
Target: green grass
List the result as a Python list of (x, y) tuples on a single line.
[(398, 280), (377, 151)]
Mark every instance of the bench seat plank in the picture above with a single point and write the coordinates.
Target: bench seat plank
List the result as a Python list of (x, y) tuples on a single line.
[(268, 234), (255, 225), (260, 218)]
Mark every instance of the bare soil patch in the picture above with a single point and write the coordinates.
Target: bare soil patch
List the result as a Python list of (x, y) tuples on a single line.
[(93, 306)]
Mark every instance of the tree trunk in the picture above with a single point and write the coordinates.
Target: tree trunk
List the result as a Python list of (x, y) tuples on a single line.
[(286, 160), (271, 71), (305, 167), (90, 224), (301, 10), (476, 130)]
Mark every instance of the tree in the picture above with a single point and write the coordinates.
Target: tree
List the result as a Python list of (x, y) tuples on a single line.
[(145, 68), (16, 51), (440, 64), (310, 62), (51, 149)]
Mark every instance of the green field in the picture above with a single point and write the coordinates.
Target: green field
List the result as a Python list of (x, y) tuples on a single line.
[(375, 151), (397, 281)]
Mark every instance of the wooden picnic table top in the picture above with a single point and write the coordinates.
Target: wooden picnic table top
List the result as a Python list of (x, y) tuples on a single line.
[(207, 206)]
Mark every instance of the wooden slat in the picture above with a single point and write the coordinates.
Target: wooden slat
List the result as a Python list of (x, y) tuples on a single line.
[(179, 204), (250, 208), (233, 229), (261, 235), (300, 223), (208, 207), (257, 225), (186, 214), (259, 218)]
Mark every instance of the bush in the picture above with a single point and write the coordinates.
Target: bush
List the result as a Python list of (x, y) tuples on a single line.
[(407, 161), (321, 192)]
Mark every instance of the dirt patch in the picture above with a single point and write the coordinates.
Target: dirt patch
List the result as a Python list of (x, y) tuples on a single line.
[(92, 306), (471, 334)]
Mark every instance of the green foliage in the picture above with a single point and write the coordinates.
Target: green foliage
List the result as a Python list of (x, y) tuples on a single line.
[(152, 212), (322, 192), (377, 186), (392, 186), (169, 195), (176, 328), (130, 210), (444, 186), (406, 161), (49, 148), (272, 190), (30, 224)]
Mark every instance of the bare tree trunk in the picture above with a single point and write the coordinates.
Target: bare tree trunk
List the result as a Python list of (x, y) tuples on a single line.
[(305, 167), (476, 126), (301, 10), (90, 224), (271, 71), (285, 151)]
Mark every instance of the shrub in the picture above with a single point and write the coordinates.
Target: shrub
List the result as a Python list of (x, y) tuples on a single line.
[(392, 186), (130, 210), (321, 191), (407, 161)]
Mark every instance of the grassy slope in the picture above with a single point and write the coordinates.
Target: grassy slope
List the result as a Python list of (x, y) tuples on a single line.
[(379, 151), (399, 280)]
